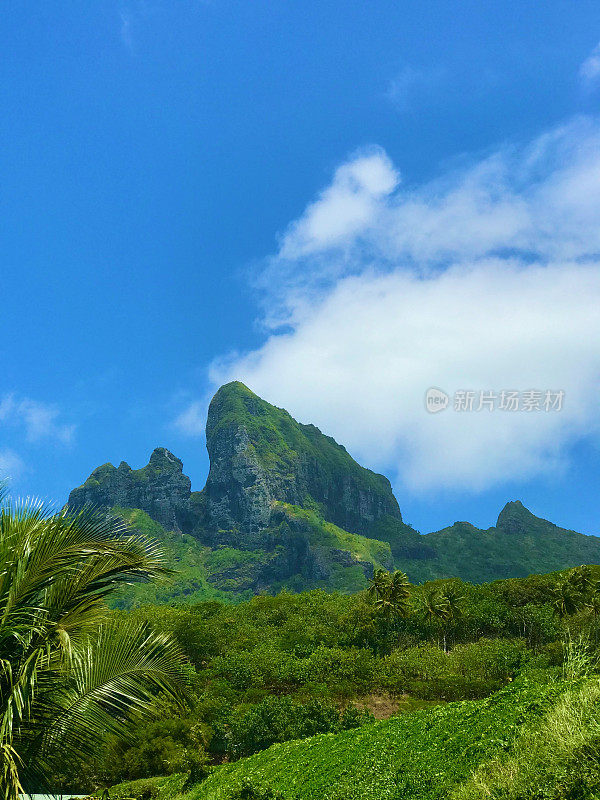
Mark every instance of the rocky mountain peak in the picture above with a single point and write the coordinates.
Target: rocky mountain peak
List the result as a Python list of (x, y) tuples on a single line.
[(260, 454), (163, 460), (160, 489), (515, 518)]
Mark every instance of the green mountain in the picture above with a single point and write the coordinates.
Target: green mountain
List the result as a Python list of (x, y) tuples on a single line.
[(286, 506), (519, 545)]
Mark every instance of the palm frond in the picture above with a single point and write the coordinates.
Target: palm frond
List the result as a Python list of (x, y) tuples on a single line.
[(68, 675)]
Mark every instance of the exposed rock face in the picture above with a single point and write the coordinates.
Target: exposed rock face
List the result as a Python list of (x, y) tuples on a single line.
[(260, 454), (160, 489)]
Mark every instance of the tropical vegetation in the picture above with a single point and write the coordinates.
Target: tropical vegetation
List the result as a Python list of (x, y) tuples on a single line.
[(274, 675), (70, 673)]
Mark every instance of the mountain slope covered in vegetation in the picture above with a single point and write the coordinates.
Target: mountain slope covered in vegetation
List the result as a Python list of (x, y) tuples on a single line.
[(285, 506)]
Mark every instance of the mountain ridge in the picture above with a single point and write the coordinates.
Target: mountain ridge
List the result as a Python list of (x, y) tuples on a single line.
[(286, 506)]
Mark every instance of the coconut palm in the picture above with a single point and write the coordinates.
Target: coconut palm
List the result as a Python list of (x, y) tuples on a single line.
[(70, 675), (391, 591), (449, 605), (580, 579), (452, 598), (566, 599), (435, 608)]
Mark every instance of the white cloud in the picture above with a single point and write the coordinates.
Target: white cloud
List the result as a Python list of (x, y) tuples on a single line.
[(589, 71), (192, 420), (345, 208), (488, 278), (39, 420), (359, 365), (126, 20), (11, 465)]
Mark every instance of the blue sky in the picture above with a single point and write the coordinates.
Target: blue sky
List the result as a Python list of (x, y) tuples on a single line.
[(339, 203)]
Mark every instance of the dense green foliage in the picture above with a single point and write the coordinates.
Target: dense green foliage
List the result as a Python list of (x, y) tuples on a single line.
[(286, 667), (420, 755), (69, 673), (536, 739)]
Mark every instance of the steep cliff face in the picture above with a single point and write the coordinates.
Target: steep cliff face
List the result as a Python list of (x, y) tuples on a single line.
[(260, 455), (160, 489)]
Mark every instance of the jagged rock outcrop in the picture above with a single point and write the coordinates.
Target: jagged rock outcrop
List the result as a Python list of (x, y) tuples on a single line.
[(160, 489), (259, 454), (515, 518)]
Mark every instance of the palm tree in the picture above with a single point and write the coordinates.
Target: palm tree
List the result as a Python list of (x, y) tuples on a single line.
[(450, 603), (580, 579), (435, 608), (391, 591), (452, 597), (70, 675), (566, 599)]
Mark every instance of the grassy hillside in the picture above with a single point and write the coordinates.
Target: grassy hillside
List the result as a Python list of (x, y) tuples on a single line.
[(423, 755), (558, 758), (186, 557)]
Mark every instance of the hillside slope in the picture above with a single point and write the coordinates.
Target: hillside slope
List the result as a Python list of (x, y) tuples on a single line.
[(519, 545), (423, 755)]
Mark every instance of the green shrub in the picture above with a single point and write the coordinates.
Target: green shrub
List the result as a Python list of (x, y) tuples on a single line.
[(169, 746), (279, 719)]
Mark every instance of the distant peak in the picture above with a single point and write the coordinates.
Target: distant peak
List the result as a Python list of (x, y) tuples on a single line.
[(514, 507), (513, 516), (163, 458), (232, 389)]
